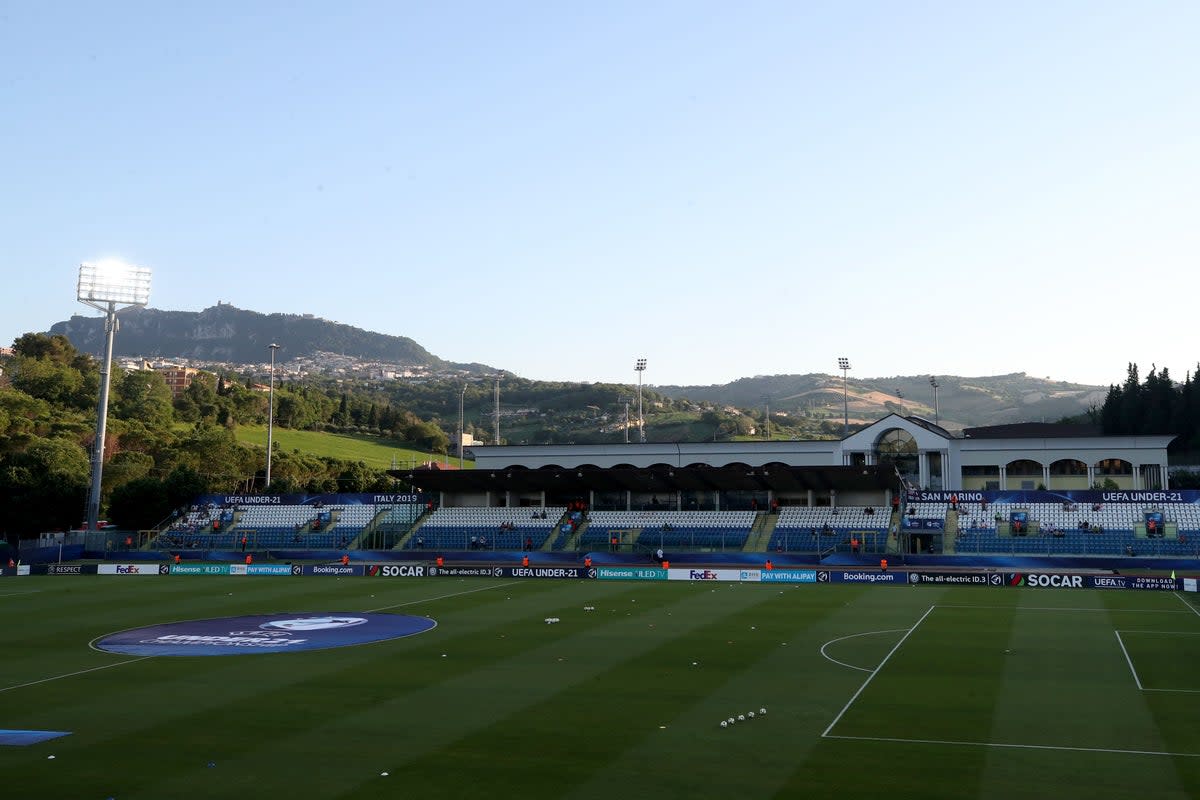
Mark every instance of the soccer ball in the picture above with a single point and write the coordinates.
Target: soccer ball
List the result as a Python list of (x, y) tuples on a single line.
[(724, 724), (750, 715), (762, 711), (741, 717), (731, 720)]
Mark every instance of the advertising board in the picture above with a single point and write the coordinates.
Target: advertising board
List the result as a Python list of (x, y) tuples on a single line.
[(127, 569)]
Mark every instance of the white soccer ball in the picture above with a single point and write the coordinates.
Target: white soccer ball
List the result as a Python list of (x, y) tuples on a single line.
[(724, 724), (731, 720), (762, 711), (741, 717), (750, 715)]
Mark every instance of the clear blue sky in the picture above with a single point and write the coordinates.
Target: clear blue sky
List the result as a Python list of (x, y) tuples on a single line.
[(557, 189)]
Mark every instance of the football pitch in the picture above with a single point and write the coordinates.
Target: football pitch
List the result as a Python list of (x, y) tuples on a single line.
[(904, 691)]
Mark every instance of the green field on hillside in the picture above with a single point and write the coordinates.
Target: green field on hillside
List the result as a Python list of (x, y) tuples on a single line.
[(371, 450), (899, 692)]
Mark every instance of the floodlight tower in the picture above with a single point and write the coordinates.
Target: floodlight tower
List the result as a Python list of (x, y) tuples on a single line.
[(933, 382), (625, 401), (496, 413), (462, 424), (104, 285), (640, 367), (844, 366), (271, 411)]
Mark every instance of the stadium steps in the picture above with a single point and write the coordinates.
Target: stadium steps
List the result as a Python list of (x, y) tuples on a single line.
[(950, 534), (412, 531), (369, 529), (572, 542), (758, 539), (548, 545), (893, 539)]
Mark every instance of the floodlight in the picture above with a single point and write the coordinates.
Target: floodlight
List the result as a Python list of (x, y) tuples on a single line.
[(104, 285), (640, 366), (112, 281), (844, 365)]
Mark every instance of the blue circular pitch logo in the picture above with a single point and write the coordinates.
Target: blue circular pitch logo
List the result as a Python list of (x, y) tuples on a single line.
[(265, 633)]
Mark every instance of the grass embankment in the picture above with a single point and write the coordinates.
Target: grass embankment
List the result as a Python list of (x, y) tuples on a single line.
[(371, 450)]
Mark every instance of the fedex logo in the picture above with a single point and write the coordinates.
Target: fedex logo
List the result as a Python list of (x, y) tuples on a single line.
[(702, 575), (129, 569)]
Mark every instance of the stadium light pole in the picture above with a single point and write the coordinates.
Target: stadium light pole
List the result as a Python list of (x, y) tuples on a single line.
[(462, 423), (625, 401), (933, 382), (271, 412), (844, 366), (767, 400), (496, 415), (104, 285), (640, 367)]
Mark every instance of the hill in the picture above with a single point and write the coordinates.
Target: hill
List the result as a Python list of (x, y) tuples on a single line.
[(808, 404), (961, 401), (228, 334)]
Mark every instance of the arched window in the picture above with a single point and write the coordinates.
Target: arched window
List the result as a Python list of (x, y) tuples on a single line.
[(896, 446)]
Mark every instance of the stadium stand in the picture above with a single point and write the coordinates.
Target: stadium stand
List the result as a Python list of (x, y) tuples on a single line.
[(486, 528), (712, 530), (820, 528)]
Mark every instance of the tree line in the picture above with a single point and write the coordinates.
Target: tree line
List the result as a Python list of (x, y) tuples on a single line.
[(161, 451), (1156, 405)]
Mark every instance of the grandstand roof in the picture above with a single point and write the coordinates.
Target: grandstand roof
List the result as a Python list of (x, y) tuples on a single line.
[(662, 478), (1033, 430)]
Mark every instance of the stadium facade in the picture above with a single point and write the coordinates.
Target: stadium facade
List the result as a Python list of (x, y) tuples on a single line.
[(866, 467)]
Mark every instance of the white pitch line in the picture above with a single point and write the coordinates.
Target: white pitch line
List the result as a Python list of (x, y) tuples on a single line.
[(875, 671), (1116, 751), (1190, 607), (1058, 608), (73, 674), (143, 658), (440, 597), (1129, 661), (17, 594), (852, 636)]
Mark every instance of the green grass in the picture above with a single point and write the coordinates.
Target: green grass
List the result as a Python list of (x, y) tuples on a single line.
[(372, 451), (926, 692)]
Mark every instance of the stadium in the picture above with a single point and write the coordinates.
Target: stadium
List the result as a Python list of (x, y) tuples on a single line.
[(902, 612)]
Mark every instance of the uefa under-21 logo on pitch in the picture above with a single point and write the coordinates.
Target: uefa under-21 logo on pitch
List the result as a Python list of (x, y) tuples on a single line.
[(263, 633), (312, 623)]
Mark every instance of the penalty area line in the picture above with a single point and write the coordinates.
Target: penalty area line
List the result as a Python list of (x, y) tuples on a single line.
[(441, 597), (875, 671), (853, 636), (1063, 608), (73, 674), (1113, 750), (1190, 607)]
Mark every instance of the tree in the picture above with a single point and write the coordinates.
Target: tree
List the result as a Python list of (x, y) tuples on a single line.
[(145, 396), (139, 504), (44, 487)]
